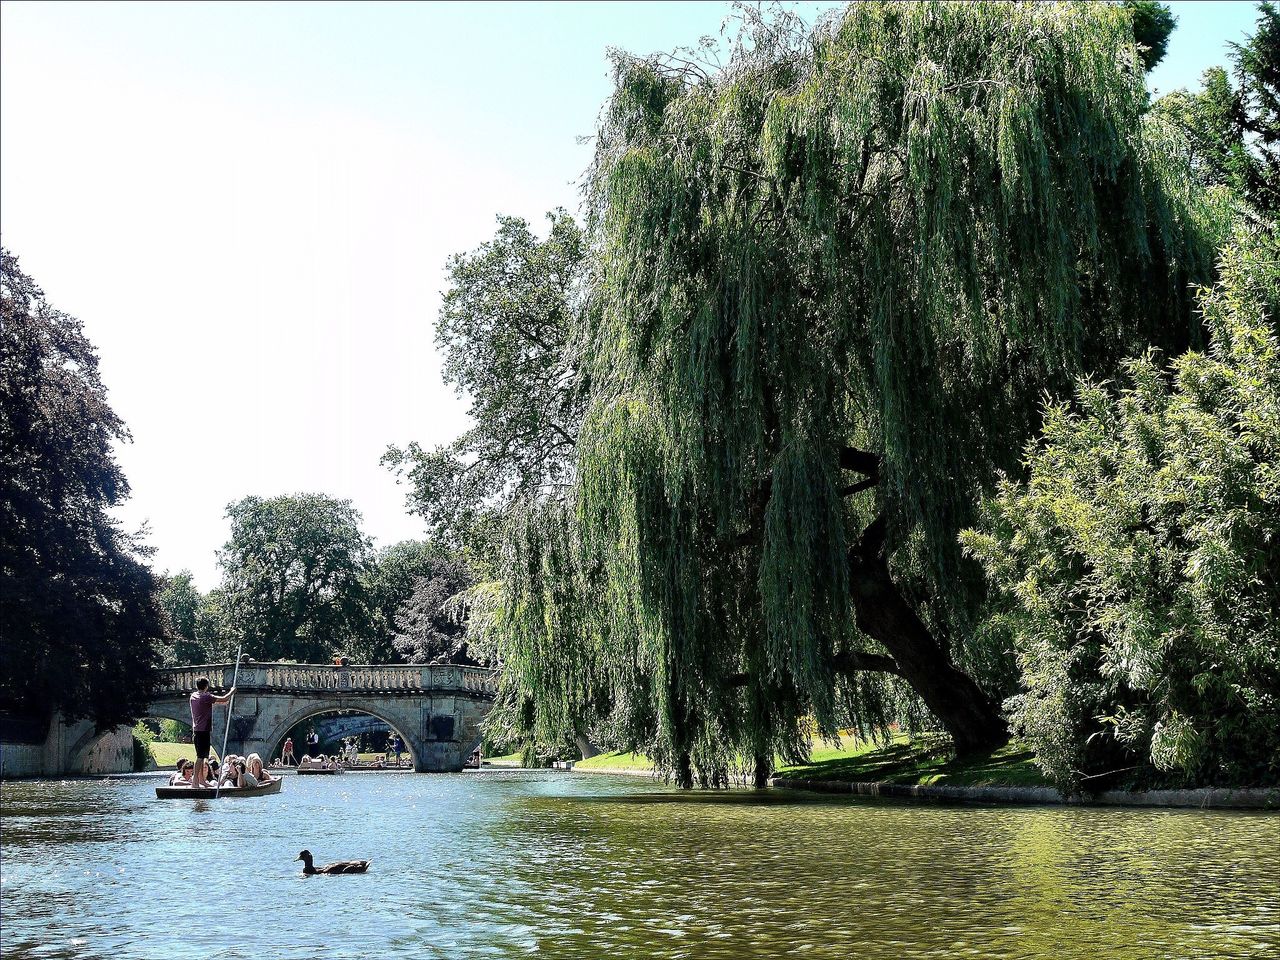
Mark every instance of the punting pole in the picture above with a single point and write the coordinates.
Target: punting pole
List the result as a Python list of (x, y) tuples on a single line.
[(222, 757)]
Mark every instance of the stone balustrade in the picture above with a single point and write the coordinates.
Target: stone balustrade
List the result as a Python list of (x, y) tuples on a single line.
[(326, 678)]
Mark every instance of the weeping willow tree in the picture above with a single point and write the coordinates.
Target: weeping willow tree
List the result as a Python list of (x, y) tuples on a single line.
[(834, 279)]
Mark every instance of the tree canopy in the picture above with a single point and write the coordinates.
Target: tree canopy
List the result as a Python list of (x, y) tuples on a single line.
[(428, 628), (1232, 124), (833, 280), (292, 576), (506, 330), (1152, 25), (79, 622)]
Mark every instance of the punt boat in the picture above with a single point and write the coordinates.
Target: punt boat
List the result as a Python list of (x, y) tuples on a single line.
[(208, 793)]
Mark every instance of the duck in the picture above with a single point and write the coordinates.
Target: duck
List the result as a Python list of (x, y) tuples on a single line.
[(338, 866)]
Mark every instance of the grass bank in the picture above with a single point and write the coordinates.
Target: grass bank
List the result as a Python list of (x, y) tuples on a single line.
[(166, 754), (923, 761), (615, 761)]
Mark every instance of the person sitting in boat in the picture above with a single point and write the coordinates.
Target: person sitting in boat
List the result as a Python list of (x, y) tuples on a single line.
[(256, 770), (183, 774), (215, 770), (228, 771), (244, 779)]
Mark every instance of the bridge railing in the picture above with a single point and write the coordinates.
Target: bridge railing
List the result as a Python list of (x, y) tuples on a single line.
[(356, 678)]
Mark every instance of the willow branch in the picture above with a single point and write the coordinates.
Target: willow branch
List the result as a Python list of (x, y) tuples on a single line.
[(850, 661), (858, 487), (863, 461)]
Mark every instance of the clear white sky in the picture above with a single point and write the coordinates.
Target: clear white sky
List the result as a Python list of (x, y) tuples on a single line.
[(249, 206)]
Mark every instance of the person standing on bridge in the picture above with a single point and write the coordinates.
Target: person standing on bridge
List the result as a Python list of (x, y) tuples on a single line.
[(202, 702)]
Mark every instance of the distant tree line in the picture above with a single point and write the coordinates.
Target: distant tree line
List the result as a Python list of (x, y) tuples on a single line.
[(84, 622), (301, 582)]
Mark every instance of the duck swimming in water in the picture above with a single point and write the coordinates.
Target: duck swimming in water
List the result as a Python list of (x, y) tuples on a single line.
[(338, 866)]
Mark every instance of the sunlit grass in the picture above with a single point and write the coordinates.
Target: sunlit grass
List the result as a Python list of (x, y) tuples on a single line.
[(616, 761), (167, 754), (925, 760)]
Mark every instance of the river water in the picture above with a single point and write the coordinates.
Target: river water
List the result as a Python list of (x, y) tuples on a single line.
[(524, 863)]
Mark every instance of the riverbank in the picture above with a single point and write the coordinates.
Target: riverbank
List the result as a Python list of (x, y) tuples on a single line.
[(922, 769)]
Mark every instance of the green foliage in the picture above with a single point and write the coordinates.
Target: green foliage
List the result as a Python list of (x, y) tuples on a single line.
[(1257, 72), (1141, 557), (143, 734), (428, 627), (294, 577), (389, 582), (1209, 120), (78, 614), (506, 332), (1152, 24), (1233, 132), (891, 233), (187, 634)]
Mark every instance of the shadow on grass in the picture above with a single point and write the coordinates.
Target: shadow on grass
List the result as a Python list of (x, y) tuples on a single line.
[(924, 761)]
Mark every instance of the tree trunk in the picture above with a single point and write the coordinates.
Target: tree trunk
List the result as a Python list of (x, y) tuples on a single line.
[(763, 767), (684, 771), (883, 614)]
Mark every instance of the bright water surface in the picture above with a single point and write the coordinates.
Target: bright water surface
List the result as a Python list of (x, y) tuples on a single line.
[(513, 864)]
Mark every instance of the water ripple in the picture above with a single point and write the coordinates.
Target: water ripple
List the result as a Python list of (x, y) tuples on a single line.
[(562, 866)]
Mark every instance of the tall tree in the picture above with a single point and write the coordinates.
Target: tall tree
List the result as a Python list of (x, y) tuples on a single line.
[(1153, 23), (79, 621), (1257, 73), (835, 278), (292, 576), (389, 582), (506, 330), (181, 599), (428, 628), (1233, 129)]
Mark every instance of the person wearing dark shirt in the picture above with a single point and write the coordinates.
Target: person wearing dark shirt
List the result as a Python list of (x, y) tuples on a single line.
[(202, 702)]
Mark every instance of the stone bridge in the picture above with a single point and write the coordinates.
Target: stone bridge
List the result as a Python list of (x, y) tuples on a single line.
[(436, 708)]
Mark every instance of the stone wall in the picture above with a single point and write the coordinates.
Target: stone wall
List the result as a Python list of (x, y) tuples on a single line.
[(73, 749)]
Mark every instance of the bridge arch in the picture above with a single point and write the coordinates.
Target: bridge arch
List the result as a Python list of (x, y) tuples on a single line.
[(310, 710), (436, 708)]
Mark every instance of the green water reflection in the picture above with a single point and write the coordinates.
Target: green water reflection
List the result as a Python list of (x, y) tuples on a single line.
[(556, 865)]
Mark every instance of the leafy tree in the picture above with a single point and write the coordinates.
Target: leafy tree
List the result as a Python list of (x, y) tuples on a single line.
[(1152, 24), (1141, 557), (1234, 131), (180, 599), (1209, 120), (506, 331), (834, 279), (428, 629), (389, 582), (293, 576), (1257, 72), (78, 614), (215, 634)]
